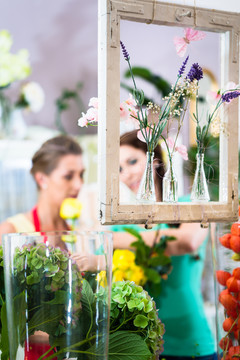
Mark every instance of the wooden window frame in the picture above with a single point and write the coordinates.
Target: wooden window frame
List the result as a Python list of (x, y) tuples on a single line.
[(110, 14)]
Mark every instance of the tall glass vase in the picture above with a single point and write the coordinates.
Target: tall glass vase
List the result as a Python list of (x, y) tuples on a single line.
[(146, 191), (5, 113), (226, 262), (57, 302), (170, 183), (199, 191)]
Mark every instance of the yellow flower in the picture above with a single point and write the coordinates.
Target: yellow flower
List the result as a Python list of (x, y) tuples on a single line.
[(118, 275), (123, 259), (71, 208), (101, 278), (136, 274)]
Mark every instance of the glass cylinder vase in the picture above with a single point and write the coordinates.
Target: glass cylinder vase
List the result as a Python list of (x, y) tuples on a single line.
[(199, 191), (170, 183), (146, 191), (57, 301), (226, 261)]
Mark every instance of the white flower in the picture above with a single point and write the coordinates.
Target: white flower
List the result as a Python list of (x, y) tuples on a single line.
[(34, 96), (5, 41)]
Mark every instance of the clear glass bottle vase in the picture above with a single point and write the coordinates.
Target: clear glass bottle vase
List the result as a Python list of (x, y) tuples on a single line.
[(199, 191), (146, 191), (56, 307), (170, 183)]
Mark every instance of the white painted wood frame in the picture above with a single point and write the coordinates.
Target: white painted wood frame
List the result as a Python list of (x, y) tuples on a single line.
[(228, 24)]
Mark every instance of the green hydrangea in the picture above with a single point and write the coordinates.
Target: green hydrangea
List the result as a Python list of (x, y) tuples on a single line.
[(133, 309)]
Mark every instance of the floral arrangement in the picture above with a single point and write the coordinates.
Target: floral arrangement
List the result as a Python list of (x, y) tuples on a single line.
[(221, 97), (16, 67), (135, 330), (145, 265)]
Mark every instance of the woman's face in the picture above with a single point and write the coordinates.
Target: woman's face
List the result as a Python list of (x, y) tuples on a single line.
[(132, 166), (66, 179)]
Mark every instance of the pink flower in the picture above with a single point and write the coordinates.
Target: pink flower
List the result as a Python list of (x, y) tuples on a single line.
[(170, 143), (124, 111), (92, 114), (93, 102), (83, 121), (147, 132), (130, 101), (182, 150)]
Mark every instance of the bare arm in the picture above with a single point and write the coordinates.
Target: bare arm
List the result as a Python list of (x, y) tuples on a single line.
[(188, 238), (6, 228)]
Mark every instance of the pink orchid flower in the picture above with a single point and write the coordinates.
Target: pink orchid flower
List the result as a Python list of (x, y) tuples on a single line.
[(182, 150), (93, 102), (147, 131), (83, 121), (92, 114)]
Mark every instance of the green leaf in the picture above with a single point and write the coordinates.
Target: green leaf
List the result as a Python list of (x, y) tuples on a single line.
[(134, 233), (198, 132), (124, 345), (33, 278), (61, 297), (159, 260), (4, 345), (152, 275), (140, 321), (49, 323)]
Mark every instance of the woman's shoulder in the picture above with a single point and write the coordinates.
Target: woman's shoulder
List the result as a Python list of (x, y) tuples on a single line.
[(21, 222)]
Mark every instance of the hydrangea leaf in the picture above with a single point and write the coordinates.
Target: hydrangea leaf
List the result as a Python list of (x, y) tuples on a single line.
[(140, 321)]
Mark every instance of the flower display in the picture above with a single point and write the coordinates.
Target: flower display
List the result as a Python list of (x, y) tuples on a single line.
[(13, 67), (145, 265), (65, 311), (16, 67), (127, 108), (222, 97)]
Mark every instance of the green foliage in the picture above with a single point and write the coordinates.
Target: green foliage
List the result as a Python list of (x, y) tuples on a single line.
[(152, 260), (161, 85), (133, 310), (135, 331), (63, 103)]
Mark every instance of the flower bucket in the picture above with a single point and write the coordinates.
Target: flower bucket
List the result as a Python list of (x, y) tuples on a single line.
[(226, 260), (58, 288)]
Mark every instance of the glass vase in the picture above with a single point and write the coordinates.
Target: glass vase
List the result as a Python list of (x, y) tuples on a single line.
[(199, 191), (5, 113), (57, 299), (146, 191), (170, 183), (226, 261)]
